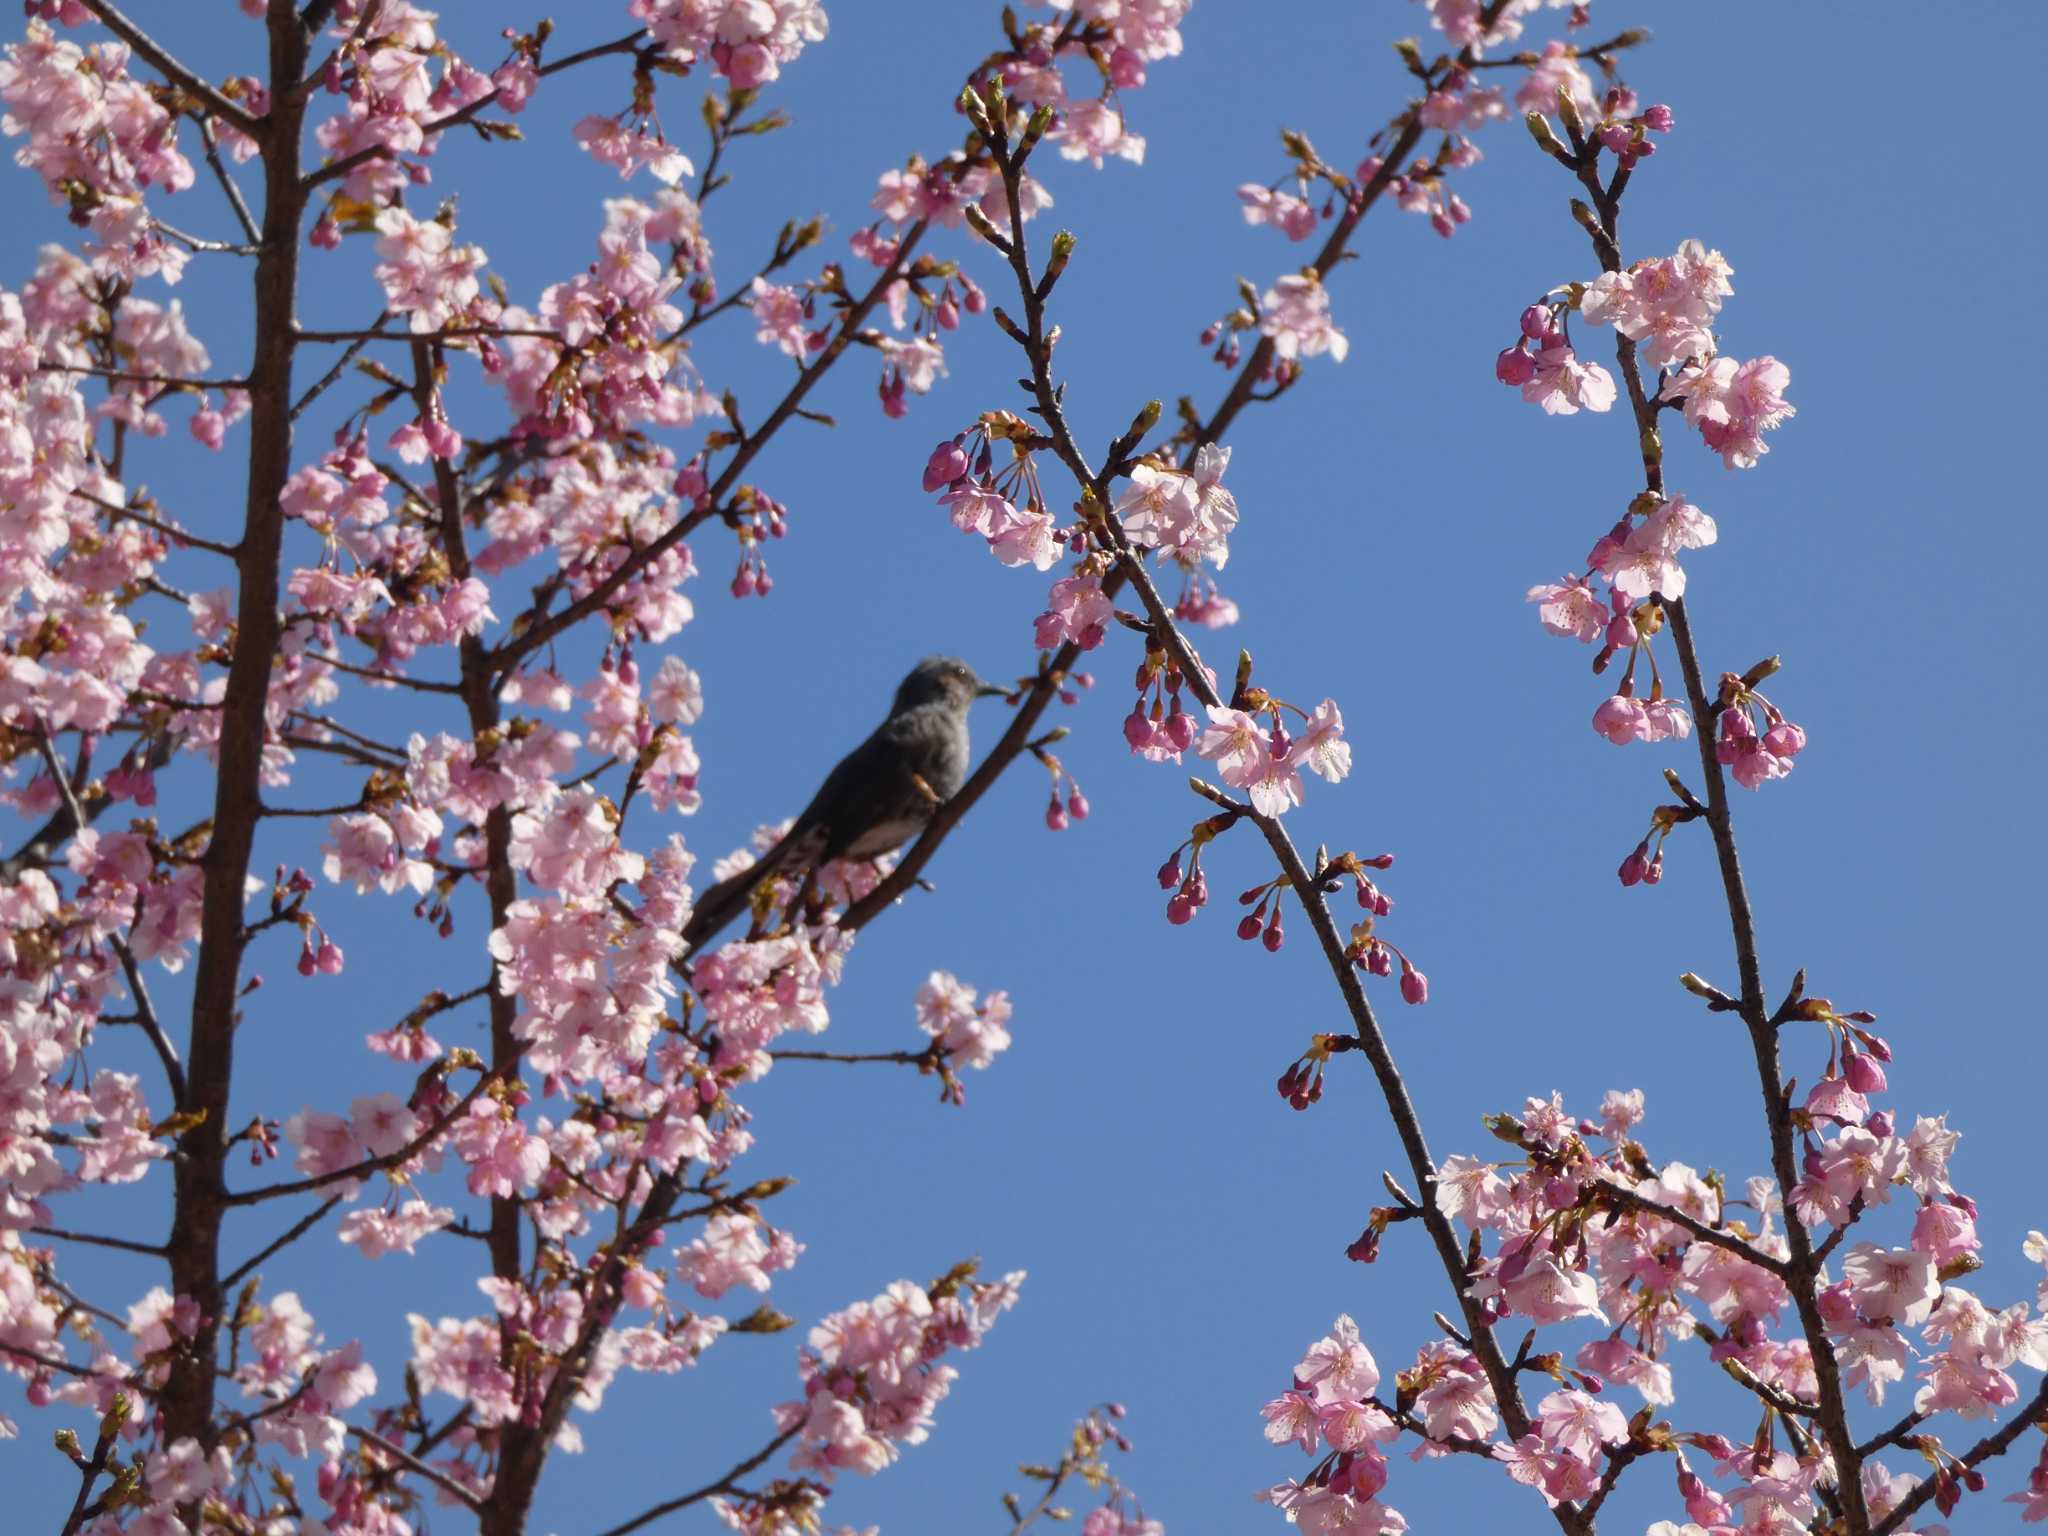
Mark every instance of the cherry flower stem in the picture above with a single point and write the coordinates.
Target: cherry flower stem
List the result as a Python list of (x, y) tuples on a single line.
[(292, 1234), (1394, 1090), (336, 169), (1744, 1377), (412, 1463), (1634, 37), (1801, 1271), (168, 530), (230, 189), (121, 377), (1997, 1443), (392, 679), (1408, 1127), (126, 1245), (1896, 1435), (924, 1058), (1614, 1194), (88, 1475), (725, 1484), (145, 1010), (326, 381), (200, 245), (168, 66), (369, 1165), (150, 1024)]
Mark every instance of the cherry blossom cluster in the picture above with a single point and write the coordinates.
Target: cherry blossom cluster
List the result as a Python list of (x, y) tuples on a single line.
[(1582, 1227), (99, 138), (610, 1095), (871, 1373), (1032, 81), (1751, 738), (982, 497)]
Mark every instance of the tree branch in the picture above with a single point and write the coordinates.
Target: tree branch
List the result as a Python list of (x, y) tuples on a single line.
[(147, 48)]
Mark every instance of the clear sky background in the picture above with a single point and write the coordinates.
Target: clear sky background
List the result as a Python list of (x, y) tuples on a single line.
[(1183, 1229)]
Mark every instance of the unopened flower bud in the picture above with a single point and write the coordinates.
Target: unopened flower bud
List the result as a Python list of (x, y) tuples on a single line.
[(1514, 367), (1863, 1072), (1249, 925), (947, 464), (1784, 739), (1414, 986), (1169, 873)]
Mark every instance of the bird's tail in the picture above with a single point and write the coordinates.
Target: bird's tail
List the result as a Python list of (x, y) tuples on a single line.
[(731, 896)]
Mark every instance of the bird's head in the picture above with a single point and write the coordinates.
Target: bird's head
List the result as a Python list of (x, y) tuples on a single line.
[(942, 680)]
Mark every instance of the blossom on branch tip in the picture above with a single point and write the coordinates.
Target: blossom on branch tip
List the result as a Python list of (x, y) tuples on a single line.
[(1295, 315)]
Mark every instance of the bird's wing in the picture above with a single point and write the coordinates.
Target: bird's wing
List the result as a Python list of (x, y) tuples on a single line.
[(820, 833), (874, 775)]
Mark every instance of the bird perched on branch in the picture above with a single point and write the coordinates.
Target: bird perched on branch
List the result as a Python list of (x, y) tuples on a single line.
[(879, 797)]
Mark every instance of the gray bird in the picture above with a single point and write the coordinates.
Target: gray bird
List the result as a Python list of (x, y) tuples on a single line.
[(879, 797)]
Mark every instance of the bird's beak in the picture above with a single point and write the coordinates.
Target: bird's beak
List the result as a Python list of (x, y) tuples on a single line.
[(991, 691)]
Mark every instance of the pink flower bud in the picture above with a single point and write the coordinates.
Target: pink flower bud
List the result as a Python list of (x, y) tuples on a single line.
[(1077, 805), (1621, 631), (1055, 816), (1655, 872), (1169, 873), (1179, 730), (1180, 909), (1658, 118), (1368, 168), (1365, 1248), (1274, 937), (209, 428), (1414, 986), (947, 314), (1538, 324), (1138, 730), (1636, 865), (1784, 739), (1249, 925), (1863, 1072), (326, 234), (1126, 70), (1514, 367), (1379, 961)]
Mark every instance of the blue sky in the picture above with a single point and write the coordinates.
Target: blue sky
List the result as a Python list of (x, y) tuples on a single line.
[(1184, 1230)]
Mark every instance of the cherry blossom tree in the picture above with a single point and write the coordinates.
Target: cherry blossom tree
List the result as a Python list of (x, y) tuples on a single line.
[(434, 657)]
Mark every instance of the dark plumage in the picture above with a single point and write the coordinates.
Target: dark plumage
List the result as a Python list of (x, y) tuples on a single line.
[(879, 796)]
